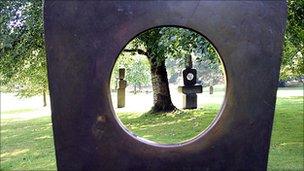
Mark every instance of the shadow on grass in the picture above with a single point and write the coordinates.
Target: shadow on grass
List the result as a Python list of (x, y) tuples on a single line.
[(170, 128), (27, 145)]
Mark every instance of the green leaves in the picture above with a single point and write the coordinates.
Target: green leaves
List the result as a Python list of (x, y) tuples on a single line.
[(174, 42), (23, 61), (171, 45), (292, 63), (137, 70)]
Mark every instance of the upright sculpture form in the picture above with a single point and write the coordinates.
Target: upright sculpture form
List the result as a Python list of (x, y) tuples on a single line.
[(121, 92), (83, 40), (211, 89), (189, 89)]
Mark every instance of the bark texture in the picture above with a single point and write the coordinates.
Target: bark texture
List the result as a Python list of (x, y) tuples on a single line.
[(161, 93)]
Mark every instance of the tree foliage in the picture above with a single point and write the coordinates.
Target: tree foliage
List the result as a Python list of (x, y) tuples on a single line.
[(208, 71), (173, 45), (163, 43), (22, 53), (137, 71), (22, 62), (173, 42), (293, 63)]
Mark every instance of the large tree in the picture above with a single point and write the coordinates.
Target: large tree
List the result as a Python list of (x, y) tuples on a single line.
[(157, 45), (148, 44), (22, 62), (292, 62)]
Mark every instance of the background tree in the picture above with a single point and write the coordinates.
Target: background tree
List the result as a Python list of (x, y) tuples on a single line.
[(137, 71), (157, 45), (293, 63), (22, 62), (209, 72)]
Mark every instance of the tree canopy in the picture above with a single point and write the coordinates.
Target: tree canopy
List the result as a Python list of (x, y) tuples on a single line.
[(22, 52), (173, 45), (23, 61), (293, 63), (172, 42)]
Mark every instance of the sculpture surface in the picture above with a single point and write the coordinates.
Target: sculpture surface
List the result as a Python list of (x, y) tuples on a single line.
[(83, 40), (190, 88), (121, 92)]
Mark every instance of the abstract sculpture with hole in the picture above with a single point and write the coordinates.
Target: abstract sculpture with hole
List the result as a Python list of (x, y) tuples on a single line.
[(190, 88), (83, 40)]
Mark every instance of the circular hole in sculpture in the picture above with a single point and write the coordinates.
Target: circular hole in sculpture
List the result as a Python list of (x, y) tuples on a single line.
[(167, 85)]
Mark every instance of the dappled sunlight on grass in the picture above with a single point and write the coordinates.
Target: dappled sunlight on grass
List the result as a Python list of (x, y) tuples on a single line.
[(170, 128), (286, 149), (27, 145), (14, 152), (4, 131), (43, 137)]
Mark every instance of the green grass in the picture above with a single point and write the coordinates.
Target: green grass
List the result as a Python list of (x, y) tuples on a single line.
[(286, 150), (29, 144), (170, 128)]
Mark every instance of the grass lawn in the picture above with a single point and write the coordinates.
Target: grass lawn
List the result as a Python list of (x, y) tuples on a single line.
[(29, 144), (287, 150), (170, 128)]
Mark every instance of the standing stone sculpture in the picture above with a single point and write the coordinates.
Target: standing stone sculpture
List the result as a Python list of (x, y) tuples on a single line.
[(190, 88), (83, 40), (121, 93), (211, 89)]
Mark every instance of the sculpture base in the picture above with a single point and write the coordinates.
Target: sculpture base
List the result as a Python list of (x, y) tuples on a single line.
[(121, 97), (190, 101), (189, 95)]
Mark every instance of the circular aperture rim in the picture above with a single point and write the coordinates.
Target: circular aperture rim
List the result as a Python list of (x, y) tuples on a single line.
[(203, 133)]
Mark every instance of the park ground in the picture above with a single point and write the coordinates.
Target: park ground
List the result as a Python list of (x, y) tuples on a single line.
[(27, 139)]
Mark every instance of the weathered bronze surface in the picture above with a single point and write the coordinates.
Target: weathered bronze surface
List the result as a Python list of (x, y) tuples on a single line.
[(190, 88), (83, 40)]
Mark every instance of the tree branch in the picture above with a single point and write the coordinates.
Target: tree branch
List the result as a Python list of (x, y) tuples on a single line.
[(139, 51)]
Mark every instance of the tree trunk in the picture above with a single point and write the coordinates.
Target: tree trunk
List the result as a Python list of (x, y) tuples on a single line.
[(135, 89), (44, 98), (161, 93)]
